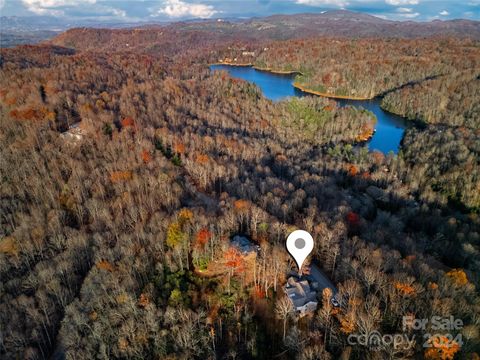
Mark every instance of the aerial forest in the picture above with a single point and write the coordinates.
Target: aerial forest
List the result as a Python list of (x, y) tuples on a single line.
[(126, 170)]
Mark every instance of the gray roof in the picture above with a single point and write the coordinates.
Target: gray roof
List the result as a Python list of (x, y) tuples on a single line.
[(243, 244), (300, 292)]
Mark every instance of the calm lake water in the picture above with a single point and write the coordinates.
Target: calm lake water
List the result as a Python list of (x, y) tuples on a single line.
[(389, 127)]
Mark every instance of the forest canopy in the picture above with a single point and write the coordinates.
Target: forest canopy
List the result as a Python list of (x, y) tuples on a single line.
[(126, 173)]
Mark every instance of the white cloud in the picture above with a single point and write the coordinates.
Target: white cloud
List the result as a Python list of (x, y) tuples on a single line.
[(340, 3), (114, 11), (402, 2), (410, 15), (50, 7), (444, 13), (404, 10), (2, 4), (66, 7), (179, 8)]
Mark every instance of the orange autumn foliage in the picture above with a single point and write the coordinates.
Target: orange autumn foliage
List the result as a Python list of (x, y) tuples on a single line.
[(33, 114), (86, 107), (51, 89), (352, 170), (117, 176), (9, 101), (230, 144), (123, 344), (441, 348), (146, 157), (354, 301), (241, 205), (326, 294), (179, 148), (128, 122), (334, 311), (185, 215), (405, 289), (202, 159), (432, 286), (105, 265), (93, 315), (143, 301), (259, 292), (203, 236), (458, 277), (347, 324), (234, 260), (9, 246), (365, 175), (366, 132)]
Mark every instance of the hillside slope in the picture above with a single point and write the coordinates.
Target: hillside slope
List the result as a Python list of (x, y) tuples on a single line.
[(333, 23)]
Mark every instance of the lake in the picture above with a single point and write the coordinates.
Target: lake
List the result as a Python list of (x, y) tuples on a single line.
[(389, 127)]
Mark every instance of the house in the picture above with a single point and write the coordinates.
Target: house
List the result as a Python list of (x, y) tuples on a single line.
[(244, 245), (301, 294), (74, 133)]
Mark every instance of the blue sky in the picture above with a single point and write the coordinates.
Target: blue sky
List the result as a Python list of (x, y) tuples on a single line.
[(161, 10)]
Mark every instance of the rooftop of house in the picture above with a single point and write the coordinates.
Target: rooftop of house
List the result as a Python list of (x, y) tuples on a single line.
[(300, 292), (73, 133), (243, 244)]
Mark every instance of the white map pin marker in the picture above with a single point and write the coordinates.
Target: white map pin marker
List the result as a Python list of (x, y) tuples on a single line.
[(299, 245)]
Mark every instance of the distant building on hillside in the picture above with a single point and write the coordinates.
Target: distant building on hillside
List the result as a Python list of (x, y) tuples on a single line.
[(301, 294), (74, 133)]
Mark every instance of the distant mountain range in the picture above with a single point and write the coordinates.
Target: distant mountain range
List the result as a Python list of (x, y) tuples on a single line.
[(336, 23), (50, 23), (19, 30), (16, 30)]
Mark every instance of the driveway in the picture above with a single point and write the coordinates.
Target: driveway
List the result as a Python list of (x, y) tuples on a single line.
[(322, 279)]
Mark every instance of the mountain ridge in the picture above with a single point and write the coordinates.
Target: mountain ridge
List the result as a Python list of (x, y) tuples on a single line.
[(336, 23)]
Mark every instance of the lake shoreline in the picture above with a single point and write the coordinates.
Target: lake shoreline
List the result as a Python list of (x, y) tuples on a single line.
[(281, 72), (295, 85), (232, 64), (392, 126), (327, 95)]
